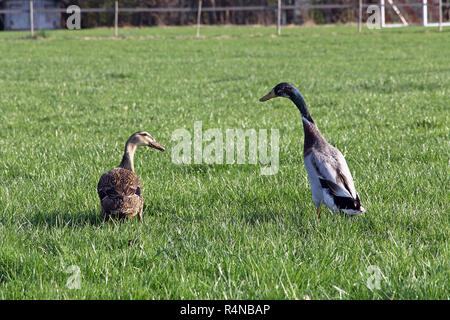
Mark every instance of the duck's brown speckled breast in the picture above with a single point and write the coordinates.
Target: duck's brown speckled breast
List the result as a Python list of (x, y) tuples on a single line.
[(120, 192)]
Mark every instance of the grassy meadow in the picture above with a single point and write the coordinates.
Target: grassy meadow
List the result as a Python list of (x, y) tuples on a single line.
[(70, 99)]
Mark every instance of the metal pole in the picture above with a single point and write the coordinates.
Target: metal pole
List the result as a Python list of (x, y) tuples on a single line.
[(382, 15), (199, 15), (360, 16), (279, 18), (116, 18), (31, 19), (440, 15)]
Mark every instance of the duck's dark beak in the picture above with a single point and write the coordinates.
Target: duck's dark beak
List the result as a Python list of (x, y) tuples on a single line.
[(157, 146), (268, 96)]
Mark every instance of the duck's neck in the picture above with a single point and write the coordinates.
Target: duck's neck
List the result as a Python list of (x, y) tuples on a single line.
[(297, 98), (312, 133), (128, 157)]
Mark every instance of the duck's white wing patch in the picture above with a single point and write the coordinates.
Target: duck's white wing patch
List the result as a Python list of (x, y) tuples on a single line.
[(313, 176), (330, 172), (338, 189)]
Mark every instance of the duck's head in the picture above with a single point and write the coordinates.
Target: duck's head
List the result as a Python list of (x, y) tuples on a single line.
[(143, 138), (283, 89)]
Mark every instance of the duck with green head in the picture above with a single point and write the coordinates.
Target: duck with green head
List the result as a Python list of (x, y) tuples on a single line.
[(329, 176)]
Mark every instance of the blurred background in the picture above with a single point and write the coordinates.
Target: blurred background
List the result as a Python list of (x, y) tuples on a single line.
[(50, 14)]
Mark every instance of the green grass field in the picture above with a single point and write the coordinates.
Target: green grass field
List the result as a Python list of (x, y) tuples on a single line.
[(70, 99)]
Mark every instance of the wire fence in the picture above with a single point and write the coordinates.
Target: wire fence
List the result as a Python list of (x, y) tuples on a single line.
[(357, 6)]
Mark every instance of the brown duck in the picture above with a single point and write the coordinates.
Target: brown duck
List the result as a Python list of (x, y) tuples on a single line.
[(120, 190)]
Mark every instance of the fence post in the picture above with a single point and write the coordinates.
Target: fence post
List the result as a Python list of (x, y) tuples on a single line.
[(31, 18), (424, 13), (279, 18), (116, 18), (359, 15), (440, 15), (199, 15)]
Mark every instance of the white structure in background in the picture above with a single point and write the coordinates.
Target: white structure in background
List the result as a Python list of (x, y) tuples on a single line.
[(21, 20), (395, 8)]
